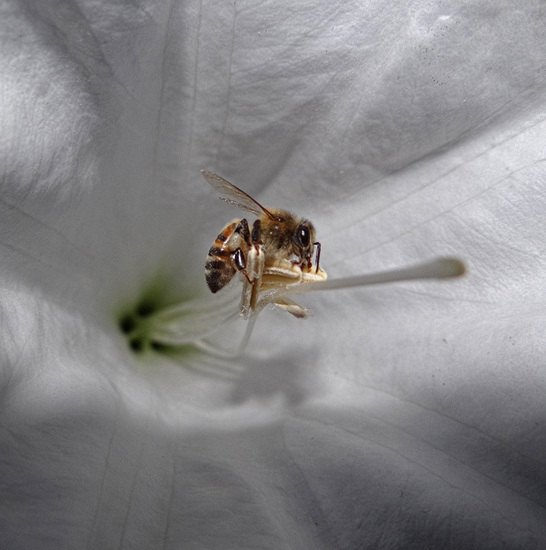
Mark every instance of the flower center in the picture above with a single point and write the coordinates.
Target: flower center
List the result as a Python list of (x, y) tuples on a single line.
[(154, 324)]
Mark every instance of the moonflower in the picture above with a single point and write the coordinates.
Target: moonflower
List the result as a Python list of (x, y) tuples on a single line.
[(403, 416)]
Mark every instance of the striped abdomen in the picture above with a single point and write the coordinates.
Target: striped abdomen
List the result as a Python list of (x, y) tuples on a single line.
[(220, 268)]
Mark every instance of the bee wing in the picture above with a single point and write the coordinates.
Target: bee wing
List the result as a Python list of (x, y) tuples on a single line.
[(246, 201)]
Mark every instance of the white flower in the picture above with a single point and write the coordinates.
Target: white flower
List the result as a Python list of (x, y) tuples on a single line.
[(399, 416)]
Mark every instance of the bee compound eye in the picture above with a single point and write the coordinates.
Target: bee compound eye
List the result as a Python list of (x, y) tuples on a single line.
[(303, 236)]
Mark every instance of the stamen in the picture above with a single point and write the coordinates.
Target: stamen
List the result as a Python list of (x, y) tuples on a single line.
[(193, 320), (440, 268), (212, 349)]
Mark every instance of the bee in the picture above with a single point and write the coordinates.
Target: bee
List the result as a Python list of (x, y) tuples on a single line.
[(276, 251)]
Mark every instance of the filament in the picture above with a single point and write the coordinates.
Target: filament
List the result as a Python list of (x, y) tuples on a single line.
[(190, 321), (440, 268)]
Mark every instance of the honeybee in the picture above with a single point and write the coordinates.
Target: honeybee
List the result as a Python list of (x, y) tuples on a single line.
[(276, 251)]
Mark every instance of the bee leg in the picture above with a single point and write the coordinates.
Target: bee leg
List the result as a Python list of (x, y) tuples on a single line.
[(243, 230), (251, 288), (240, 263), (256, 230), (253, 263), (317, 257)]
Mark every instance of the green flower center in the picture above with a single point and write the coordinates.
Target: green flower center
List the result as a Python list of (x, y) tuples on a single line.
[(159, 325)]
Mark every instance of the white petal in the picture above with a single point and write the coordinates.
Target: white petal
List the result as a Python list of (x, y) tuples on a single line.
[(398, 416)]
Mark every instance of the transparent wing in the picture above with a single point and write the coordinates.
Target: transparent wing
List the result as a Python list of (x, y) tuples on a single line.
[(244, 200)]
